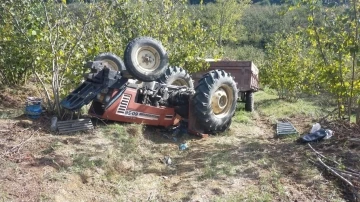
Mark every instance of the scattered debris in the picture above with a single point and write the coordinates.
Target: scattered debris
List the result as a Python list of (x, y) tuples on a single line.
[(317, 134), (33, 107), (16, 148), (166, 160), (183, 146), (74, 125), (285, 128), (54, 121), (315, 128)]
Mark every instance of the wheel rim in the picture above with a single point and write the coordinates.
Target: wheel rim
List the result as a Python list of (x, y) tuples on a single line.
[(147, 58), (112, 64), (179, 82), (221, 101)]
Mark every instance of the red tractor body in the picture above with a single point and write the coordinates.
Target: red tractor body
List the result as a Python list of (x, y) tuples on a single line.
[(127, 109), (146, 90)]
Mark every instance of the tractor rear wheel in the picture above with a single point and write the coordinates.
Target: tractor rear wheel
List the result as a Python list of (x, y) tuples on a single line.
[(215, 101), (176, 76), (146, 59)]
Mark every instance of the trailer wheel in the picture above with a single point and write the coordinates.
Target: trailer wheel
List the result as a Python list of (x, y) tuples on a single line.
[(113, 60), (146, 59), (176, 76), (215, 101), (241, 96), (249, 101)]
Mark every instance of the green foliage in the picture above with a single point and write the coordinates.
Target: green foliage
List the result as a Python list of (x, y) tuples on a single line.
[(179, 30), (15, 54), (222, 19), (260, 23), (256, 29), (321, 57), (246, 53), (54, 40), (289, 68)]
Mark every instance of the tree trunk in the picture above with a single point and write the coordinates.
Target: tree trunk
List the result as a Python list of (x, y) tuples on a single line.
[(358, 114)]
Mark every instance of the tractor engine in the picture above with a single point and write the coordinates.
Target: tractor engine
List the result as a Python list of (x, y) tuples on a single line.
[(157, 94)]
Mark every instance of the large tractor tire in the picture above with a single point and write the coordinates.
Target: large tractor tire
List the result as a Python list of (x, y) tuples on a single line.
[(115, 63), (176, 76), (146, 59), (215, 101), (249, 101)]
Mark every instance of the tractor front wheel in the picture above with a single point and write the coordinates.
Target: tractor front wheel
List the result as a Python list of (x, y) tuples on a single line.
[(114, 62), (215, 101), (146, 59)]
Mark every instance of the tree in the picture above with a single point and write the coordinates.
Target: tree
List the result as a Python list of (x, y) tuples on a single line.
[(222, 19), (331, 42), (183, 34), (289, 68), (53, 40)]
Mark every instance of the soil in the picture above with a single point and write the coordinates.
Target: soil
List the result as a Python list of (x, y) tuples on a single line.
[(247, 163)]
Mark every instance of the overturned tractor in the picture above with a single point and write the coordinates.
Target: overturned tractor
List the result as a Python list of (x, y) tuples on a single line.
[(143, 88)]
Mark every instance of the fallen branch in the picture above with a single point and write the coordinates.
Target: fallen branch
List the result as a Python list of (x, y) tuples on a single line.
[(334, 172), (343, 172), (347, 172), (342, 178), (333, 161), (17, 148), (4, 130), (337, 163), (329, 113)]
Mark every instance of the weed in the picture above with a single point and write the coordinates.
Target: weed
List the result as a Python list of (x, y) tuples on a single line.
[(260, 96), (131, 149), (51, 148), (10, 113), (243, 117), (273, 108), (44, 197), (84, 161), (252, 194), (218, 165), (3, 195), (55, 177), (288, 137)]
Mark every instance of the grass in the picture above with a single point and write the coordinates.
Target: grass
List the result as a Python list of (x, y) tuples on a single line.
[(85, 161), (269, 188), (268, 104), (244, 117), (121, 162), (218, 165), (10, 113)]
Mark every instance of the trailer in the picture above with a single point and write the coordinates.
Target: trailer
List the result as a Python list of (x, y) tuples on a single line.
[(245, 73)]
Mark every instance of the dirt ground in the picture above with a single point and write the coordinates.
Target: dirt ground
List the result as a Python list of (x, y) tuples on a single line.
[(124, 162)]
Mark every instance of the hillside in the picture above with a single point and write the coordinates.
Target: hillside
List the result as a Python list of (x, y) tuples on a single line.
[(123, 162)]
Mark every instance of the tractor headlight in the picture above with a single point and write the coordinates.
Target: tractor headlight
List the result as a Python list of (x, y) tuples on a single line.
[(100, 97), (107, 98)]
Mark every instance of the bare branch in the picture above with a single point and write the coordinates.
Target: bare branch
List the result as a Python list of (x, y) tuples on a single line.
[(18, 147), (322, 155), (78, 39), (44, 88)]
